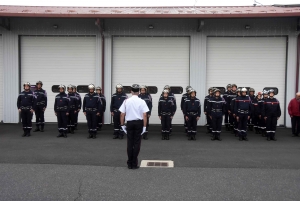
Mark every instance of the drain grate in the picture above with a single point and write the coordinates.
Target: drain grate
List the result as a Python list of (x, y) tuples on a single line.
[(157, 163)]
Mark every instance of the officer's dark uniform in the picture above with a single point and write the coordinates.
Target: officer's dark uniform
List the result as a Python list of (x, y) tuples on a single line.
[(148, 99), (166, 109), (92, 106), (262, 120), (103, 108), (208, 119), (172, 96), (40, 106), (25, 103), (183, 98), (272, 111), (61, 108), (216, 110), (225, 96), (242, 109), (231, 95), (256, 114), (78, 106), (250, 121), (192, 110), (116, 102), (73, 112)]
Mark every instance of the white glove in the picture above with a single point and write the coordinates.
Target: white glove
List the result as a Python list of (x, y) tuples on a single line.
[(144, 130), (124, 129)]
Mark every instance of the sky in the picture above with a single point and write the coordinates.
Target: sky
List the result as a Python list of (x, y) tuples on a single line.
[(133, 3)]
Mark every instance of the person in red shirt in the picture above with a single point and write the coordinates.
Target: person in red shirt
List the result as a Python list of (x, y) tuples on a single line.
[(294, 112)]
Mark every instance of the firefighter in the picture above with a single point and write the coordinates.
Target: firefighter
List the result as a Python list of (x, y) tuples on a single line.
[(252, 97), (231, 95), (172, 96), (232, 105), (40, 106), (263, 121), (256, 113), (192, 113), (26, 105), (91, 109), (242, 109), (208, 119), (78, 106), (272, 113), (148, 99), (166, 112), (216, 110), (73, 109), (225, 96), (117, 100), (183, 98), (61, 109), (103, 101)]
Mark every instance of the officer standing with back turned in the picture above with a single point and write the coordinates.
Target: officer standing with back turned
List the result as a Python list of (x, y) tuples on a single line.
[(135, 111)]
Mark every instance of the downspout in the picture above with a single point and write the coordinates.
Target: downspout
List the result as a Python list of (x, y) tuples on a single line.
[(297, 67)]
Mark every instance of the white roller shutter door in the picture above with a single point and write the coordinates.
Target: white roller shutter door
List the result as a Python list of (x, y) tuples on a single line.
[(55, 61), (1, 79), (256, 62), (152, 61)]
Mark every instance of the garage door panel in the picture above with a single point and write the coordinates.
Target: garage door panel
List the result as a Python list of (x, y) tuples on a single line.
[(1, 79), (53, 60), (250, 62), (155, 61)]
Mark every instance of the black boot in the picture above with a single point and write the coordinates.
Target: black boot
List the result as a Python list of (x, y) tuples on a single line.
[(25, 133), (194, 137), (121, 137), (162, 136), (37, 129), (219, 138), (72, 130), (246, 139), (145, 136), (69, 130), (90, 136), (240, 138), (273, 138), (42, 128), (190, 137), (60, 135), (167, 136), (65, 135), (94, 136), (268, 138), (213, 138)]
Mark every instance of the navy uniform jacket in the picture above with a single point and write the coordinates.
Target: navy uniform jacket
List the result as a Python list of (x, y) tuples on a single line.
[(252, 97), (166, 105), (62, 102), (148, 99), (41, 97), (216, 106), (183, 98), (192, 105), (73, 101), (172, 97), (225, 96), (78, 100), (26, 99), (103, 101), (92, 101), (256, 106), (206, 100), (117, 100), (242, 105), (231, 95), (271, 107)]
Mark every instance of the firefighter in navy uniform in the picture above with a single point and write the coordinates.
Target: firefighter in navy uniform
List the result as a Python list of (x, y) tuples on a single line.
[(91, 109), (26, 104), (232, 105), (231, 95), (78, 106), (117, 100), (208, 119), (73, 109), (148, 99), (272, 113), (61, 109), (225, 96), (263, 121), (192, 113), (172, 96), (40, 106), (103, 101), (252, 97), (256, 112), (216, 110), (183, 98), (165, 113), (242, 109)]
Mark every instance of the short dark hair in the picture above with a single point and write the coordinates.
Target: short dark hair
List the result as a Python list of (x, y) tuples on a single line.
[(134, 90)]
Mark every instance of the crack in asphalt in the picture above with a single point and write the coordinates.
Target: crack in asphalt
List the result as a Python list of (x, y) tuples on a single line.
[(79, 190)]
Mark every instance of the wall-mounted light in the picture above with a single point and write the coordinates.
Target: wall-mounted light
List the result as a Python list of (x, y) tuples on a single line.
[(150, 26), (247, 27), (55, 26)]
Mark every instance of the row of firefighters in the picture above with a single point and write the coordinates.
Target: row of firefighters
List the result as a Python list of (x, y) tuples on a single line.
[(240, 110)]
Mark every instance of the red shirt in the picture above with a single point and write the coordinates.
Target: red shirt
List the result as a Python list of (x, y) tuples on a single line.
[(294, 107)]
